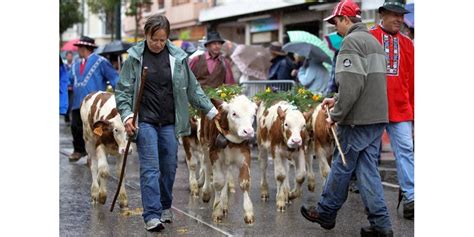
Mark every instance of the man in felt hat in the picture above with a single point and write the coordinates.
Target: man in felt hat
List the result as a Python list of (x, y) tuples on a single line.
[(211, 68), (400, 69), (282, 65), (360, 111), (88, 75)]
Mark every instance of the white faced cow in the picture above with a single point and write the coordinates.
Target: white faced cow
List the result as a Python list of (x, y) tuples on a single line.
[(282, 131), (104, 134), (235, 124)]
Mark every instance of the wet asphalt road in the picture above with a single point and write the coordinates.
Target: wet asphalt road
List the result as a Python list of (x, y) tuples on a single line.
[(78, 217)]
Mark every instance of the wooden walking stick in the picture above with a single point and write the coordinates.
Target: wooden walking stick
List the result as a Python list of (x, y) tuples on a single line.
[(135, 113), (334, 134)]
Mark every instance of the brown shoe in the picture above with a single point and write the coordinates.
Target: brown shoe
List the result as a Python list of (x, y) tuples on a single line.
[(312, 215), (75, 156)]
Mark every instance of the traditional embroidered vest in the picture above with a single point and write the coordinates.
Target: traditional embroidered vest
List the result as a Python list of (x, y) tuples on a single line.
[(206, 79)]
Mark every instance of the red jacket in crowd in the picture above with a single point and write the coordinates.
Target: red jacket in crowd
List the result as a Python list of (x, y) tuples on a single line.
[(399, 53)]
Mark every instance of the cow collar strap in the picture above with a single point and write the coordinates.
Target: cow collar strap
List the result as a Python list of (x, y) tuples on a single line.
[(231, 137)]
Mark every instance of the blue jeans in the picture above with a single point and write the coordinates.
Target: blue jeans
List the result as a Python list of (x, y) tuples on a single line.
[(360, 145), (401, 141), (157, 150)]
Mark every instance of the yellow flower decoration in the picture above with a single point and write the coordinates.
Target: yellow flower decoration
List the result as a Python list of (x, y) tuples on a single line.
[(223, 95), (268, 90), (301, 91), (315, 97)]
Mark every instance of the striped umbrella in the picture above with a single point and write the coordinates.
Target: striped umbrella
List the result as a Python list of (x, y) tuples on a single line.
[(303, 36)]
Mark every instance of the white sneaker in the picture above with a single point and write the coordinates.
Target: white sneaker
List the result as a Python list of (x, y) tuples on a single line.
[(167, 216), (154, 225)]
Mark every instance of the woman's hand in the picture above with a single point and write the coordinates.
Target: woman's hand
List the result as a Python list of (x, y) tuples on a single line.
[(130, 127)]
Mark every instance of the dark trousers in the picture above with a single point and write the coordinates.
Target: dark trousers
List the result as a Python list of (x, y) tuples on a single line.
[(76, 130), (67, 116)]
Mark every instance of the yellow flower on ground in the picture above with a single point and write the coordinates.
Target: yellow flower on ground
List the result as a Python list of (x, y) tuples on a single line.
[(301, 91), (223, 95), (268, 90), (315, 97)]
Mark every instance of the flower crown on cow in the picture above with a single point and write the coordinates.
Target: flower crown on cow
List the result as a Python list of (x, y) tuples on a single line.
[(303, 99)]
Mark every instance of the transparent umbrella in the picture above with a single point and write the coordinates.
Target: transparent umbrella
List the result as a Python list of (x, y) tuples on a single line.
[(252, 60)]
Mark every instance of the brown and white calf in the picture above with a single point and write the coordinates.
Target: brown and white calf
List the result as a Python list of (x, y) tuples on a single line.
[(193, 150), (234, 122), (282, 131), (104, 134), (195, 159), (320, 144)]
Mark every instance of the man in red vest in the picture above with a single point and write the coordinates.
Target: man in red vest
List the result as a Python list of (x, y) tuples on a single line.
[(399, 58), (211, 68)]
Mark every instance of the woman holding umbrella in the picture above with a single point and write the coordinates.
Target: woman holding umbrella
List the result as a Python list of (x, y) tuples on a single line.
[(313, 75)]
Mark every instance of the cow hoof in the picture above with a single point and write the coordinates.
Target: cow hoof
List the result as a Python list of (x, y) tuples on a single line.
[(249, 219), (311, 187), (206, 197), (264, 197), (123, 205), (217, 218), (293, 195), (231, 189), (225, 212), (195, 194), (102, 198), (281, 206)]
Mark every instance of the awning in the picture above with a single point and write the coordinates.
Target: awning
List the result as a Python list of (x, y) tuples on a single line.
[(243, 8)]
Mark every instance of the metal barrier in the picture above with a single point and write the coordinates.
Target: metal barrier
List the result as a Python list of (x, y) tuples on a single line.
[(250, 88)]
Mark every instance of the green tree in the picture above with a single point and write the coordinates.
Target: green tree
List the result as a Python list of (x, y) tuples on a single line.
[(69, 15), (135, 9), (105, 9)]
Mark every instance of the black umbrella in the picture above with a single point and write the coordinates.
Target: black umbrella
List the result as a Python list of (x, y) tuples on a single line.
[(307, 50), (115, 47)]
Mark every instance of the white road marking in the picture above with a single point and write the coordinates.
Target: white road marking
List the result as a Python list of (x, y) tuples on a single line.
[(203, 222), (390, 185)]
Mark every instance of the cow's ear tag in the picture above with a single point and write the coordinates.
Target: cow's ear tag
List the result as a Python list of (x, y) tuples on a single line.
[(98, 131)]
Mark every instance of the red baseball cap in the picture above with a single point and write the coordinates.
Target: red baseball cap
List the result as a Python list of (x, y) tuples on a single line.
[(344, 8)]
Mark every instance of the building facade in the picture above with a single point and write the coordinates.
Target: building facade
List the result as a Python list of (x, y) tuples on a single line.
[(182, 14)]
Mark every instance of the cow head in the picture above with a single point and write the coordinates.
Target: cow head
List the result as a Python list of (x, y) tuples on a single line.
[(237, 116), (112, 133), (293, 126)]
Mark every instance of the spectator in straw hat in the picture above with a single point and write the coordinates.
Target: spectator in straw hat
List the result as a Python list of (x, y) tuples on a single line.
[(90, 74)]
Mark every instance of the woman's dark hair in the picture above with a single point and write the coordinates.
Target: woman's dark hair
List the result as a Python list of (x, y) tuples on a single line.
[(157, 22)]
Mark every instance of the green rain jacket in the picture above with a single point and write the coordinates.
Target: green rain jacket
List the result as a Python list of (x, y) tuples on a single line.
[(185, 87)]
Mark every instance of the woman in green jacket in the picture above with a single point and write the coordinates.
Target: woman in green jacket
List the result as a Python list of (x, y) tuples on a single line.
[(163, 118)]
